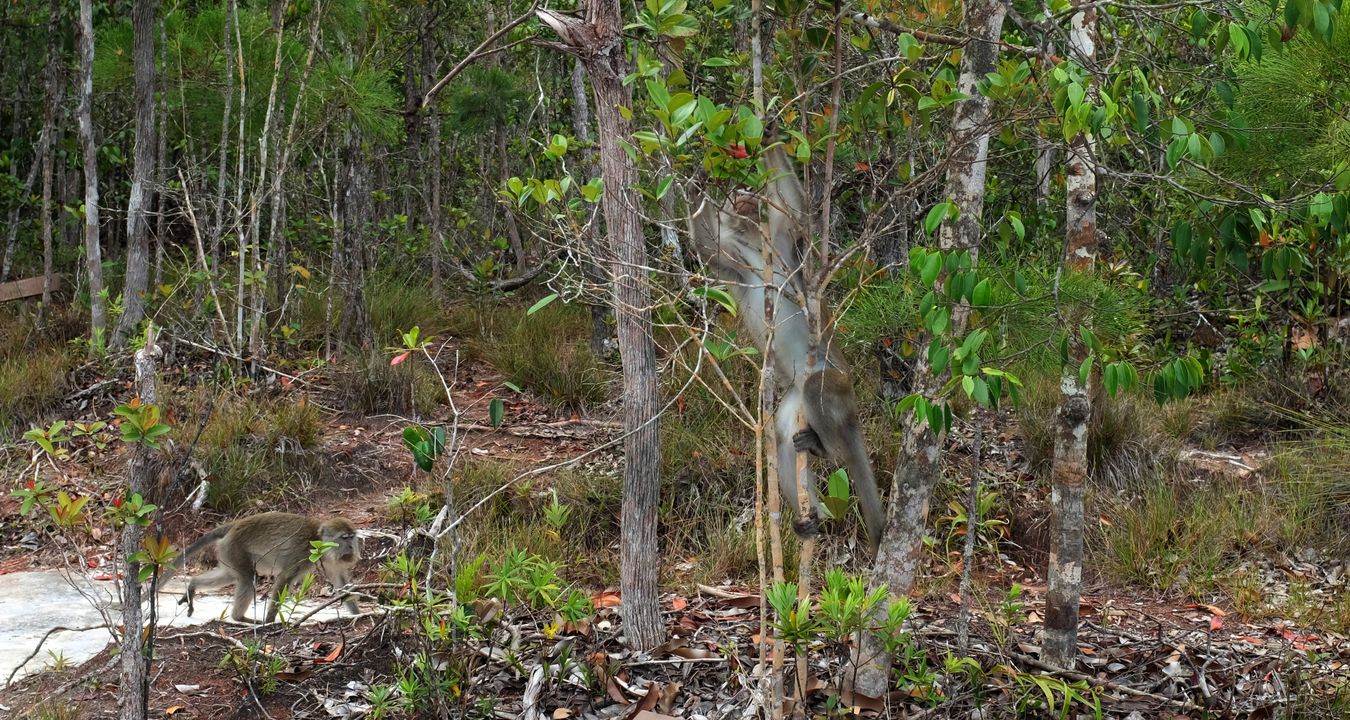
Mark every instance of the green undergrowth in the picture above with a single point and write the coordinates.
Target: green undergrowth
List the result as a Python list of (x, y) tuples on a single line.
[(546, 353), (257, 451)]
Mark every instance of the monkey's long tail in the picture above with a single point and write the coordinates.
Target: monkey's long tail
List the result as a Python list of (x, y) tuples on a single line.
[(193, 549)]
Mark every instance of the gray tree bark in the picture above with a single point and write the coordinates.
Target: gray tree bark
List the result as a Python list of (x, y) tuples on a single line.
[(918, 466), (598, 42), (581, 127), (142, 174), (53, 76), (93, 255), (1069, 475), (133, 682)]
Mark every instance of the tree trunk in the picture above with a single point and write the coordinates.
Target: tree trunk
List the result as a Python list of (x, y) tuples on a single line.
[(435, 228), (12, 238), (161, 154), (512, 230), (581, 126), (223, 162), (918, 466), (143, 173), (599, 43), (1069, 475), (256, 198), (133, 685), (93, 255), (49, 134)]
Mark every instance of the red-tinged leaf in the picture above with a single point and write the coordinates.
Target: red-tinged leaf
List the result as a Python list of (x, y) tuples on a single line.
[(31, 485), (605, 599), (285, 381), (1250, 640), (678, 603), (1216, 623), (103, 577), (331, 656), (1213, 609), (400, 358), (91, 563), (862, 167)]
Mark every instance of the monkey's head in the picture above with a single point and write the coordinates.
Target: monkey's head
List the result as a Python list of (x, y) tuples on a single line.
[(342, 533)]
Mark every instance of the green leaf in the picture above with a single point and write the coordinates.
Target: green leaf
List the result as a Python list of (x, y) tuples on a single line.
[(982, 293), (1139, 104), (717, 295), (935, 216), (931, 267), (543, 303), (1084, 370), (496, 412), (664, 186)]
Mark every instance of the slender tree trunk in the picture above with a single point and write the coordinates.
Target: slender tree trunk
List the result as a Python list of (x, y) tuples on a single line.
[(240, 296), (598, 41), (512, 230), (1068, 477), (133, 685), (143, 174), (256, 198), (581, 126), (161, 154), (223, 163), (12, 238), (918, 466), (435, 230), (93, 255), (54, 74)]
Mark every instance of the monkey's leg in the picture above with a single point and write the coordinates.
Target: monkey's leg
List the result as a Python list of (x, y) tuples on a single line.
[(341, 580), (288, 579), (244, 593), (789, 480), (216, 577)]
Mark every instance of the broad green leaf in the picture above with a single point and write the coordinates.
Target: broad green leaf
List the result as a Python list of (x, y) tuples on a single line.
[(542, 303)]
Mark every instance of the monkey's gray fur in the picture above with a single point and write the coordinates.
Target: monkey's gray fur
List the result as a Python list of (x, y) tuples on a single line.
[(276, 545), (728, 240)]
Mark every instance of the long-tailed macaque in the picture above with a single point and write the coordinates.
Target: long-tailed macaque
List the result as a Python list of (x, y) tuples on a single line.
[(276, 545), (728, 240)]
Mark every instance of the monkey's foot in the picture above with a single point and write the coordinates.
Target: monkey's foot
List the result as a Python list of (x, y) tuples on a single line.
[(806, 440), (810, 527)]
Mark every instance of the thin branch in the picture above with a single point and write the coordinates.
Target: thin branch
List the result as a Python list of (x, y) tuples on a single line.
[(477, 53)]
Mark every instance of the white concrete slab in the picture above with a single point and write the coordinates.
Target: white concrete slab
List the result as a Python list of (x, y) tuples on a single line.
[(31, 603)]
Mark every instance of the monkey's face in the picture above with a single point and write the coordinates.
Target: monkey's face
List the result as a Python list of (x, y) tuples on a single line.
[(342, 533)]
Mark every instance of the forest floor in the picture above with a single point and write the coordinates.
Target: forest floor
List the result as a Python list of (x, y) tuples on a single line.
[(1144, 654)]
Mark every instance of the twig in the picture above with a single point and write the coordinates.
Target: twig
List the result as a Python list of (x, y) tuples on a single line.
[(234, 356), (36, 649)]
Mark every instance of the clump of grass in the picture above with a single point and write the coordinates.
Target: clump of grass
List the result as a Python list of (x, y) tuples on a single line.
[(30, 386), (1130, 438), (52, 710), (397, 304), (295, 421), (368, 385), (547, 353)]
